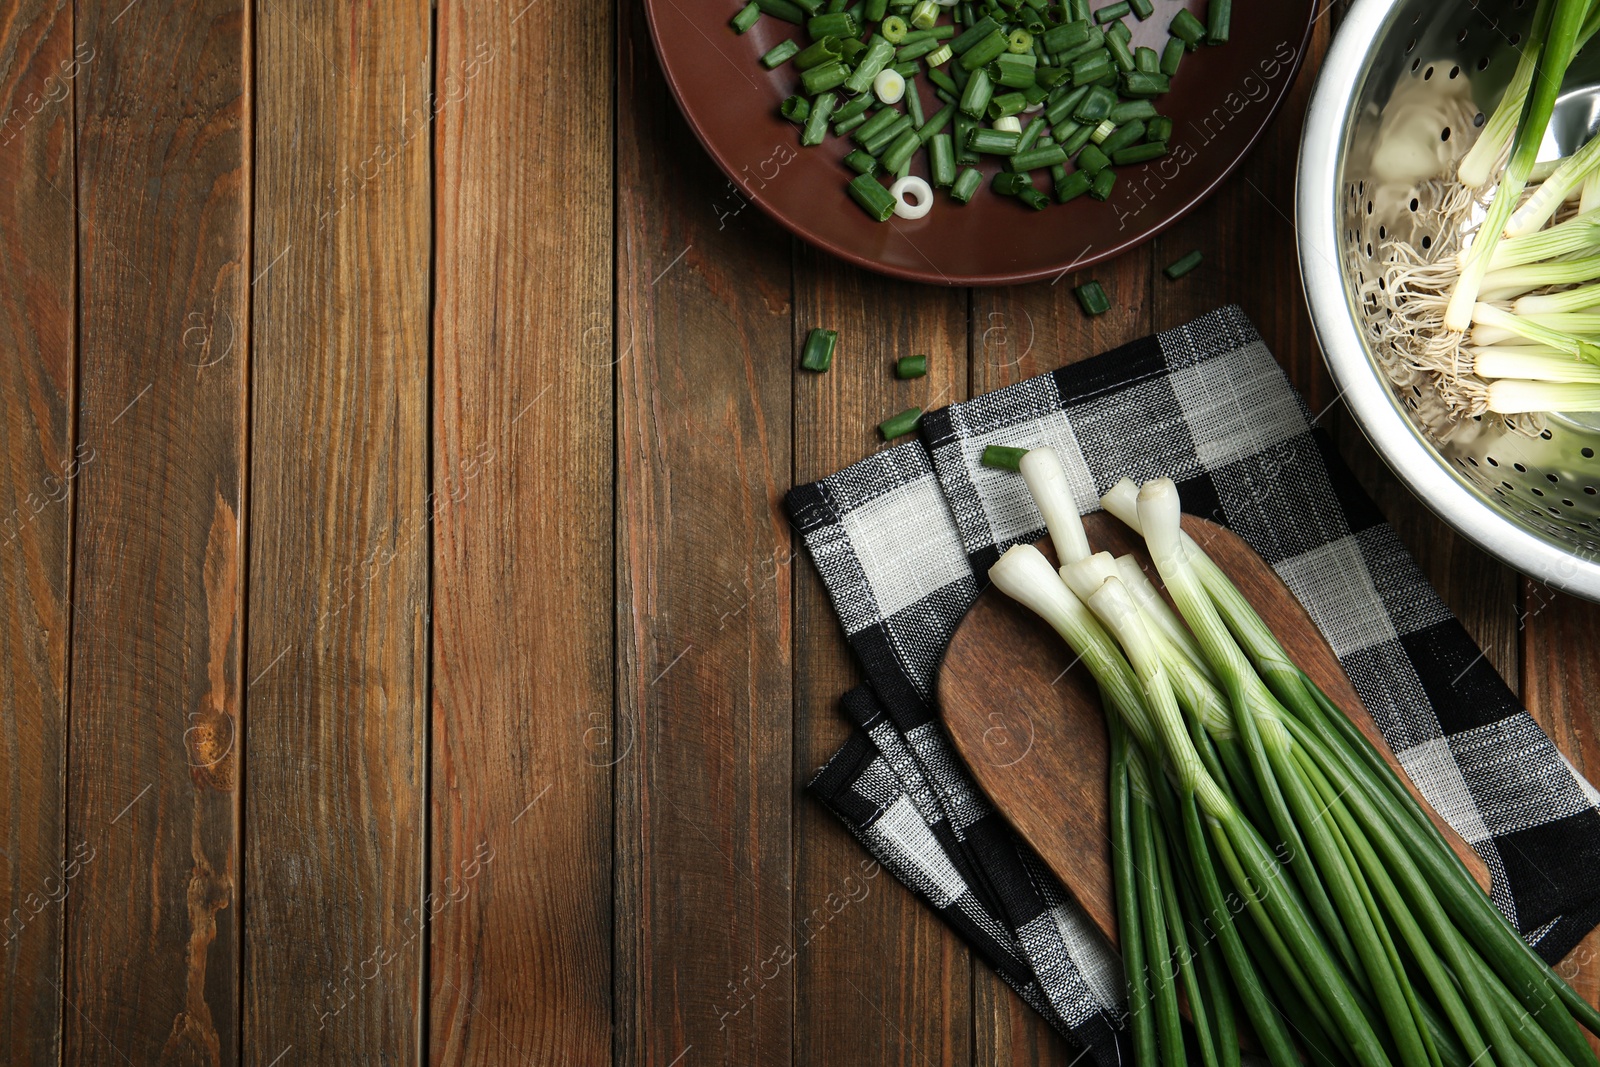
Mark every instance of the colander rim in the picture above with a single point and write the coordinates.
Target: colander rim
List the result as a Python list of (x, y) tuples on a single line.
[(1370, 398)]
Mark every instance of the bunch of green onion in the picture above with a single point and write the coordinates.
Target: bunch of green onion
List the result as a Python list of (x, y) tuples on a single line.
[(1510, 324), (1269, 866), (1037, 85)]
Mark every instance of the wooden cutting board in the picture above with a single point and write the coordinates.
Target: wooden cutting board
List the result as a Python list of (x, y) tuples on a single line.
[(1028, 721)]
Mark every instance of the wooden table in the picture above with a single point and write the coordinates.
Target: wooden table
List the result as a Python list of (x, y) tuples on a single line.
[(405, 656)]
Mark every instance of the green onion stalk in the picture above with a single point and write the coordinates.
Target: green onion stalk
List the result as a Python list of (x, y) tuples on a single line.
[(1265, 857)]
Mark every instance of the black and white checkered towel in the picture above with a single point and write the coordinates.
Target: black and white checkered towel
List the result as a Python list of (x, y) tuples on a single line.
[(903, 539)]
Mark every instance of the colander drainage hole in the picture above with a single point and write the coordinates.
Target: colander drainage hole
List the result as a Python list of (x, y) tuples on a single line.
[(1427, 242), (1589, 489), (1413, 203), (1552, 479), (1427, 74), (1415, 63), (1535, 490), (1588, 453), (1477, 120), (1444, 134), (1519, 467), (1492, 461)]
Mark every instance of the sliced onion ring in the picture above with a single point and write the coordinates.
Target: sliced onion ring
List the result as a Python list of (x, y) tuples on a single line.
[(913, 198)]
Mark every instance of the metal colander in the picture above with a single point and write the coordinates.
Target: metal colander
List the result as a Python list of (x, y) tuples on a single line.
[(1401, 94)]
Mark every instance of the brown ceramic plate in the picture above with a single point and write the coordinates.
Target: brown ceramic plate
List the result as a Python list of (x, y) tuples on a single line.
[(1221, 100)]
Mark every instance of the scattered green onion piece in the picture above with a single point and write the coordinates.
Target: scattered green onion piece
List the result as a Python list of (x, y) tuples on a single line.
[(966, 183), (857, 106), (1058, 111), (819, 52), (795, 109), (940, 79), (1139, 153), (1051, 77), (746, 18), (1092, 67), (938, 57), (901, 424), (911, 367), (893, 28), (850, 51), (1187, 29), (877, 56), (1078, 10), (1129, 134), (810, 7), (817, 355), (880, 121), (1096, 41), (993, 142), (844, 126), (1183, 266), (1013, 71), (976, 32), (1035, 158), (1035, 95), (780, 53), (1031, 134), (937, 123), (1218, 15), (1074, 139), (1138, 83), (1111, 12), (984, 51), (783, 9), (827, 76), (842, 25), (917, 49), (1100, 188), (925, 14), (899, 153), (963, 129), (1003, 457), (1073, 185), (913, 100), (1010, 183), (935, 33), (1005, 105), (1158, 129), (866, 190), (976, 96), (1096, 105), (816, 126), (1128, 110), (1119, 29), (1019, 41), (1092, 159), (1092, 298), (1033, 198), (861, 162), (884, 138), (1142, 9), (1067, 35), (1102, 131), (941, 161), (1147, 60), (875, 10), (1172, 56), (1121, 54)]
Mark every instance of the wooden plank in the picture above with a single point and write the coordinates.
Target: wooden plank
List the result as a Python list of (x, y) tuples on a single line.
[(1018, 332), (1559, 664), (522, 647), (38, 242), (701, 745), (152, 941), (883, 980), (337, 813)]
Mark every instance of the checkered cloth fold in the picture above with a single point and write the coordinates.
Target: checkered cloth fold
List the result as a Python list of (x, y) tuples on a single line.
[(903, 538)]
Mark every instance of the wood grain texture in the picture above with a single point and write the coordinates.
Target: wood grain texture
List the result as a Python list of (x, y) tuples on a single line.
[(1560, 662), (1016, 333), (153, 944), (336, 831), (702, 740), (522, 455), (884, 982), (38, 241), (1038, 745)]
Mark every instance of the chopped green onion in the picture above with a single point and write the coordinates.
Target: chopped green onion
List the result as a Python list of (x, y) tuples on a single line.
[(1066, 36), (1218, 15), (1100, 188), (1092, 298), (861, 162), (782, 9), (938, 57), (1140, 83), (1073, 185), (993, 142), (842, 25), (1092, 67), (829, 75), (1122, 137), (1006, 105), (1111, 12), (977, 94), (1184, 265), (874, 199), (911, 366), (983, 52), (780, 53), (900, 151), (1019, 41), (1003, 457), (819, 52), (1093, 160), (795, 109), (1187, 29), (966, 183), (817, 355), (880, 141), (1096, 105), (901, 424), (1171, 56), (873, 60), (1142, 9), (1139, 153), (1147, 60), (747, 16), (924, 14), (1102, 131), (817, 122), (893, 28), (1121, 54)]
